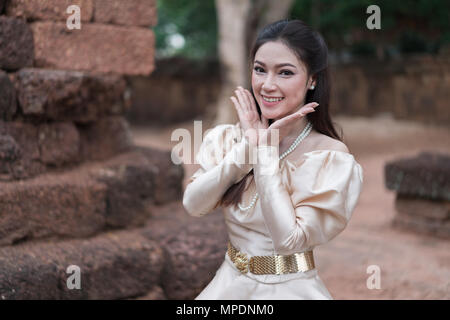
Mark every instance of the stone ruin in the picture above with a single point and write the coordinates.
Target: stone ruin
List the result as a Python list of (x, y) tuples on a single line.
[(422, 184), (74, 190)]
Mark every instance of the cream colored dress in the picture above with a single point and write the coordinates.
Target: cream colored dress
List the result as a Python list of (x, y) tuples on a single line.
[(301, 205)]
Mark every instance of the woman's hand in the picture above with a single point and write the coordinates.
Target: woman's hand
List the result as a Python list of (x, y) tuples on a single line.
[(248, 115), (284, 125), (258, 131)]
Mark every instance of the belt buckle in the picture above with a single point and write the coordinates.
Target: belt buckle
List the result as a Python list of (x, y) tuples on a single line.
[(241, 262)]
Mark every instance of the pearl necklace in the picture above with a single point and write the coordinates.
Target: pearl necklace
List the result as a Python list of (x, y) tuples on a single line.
[(294, 145)]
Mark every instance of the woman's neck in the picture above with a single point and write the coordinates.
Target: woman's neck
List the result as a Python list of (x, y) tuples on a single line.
[(289, 139)]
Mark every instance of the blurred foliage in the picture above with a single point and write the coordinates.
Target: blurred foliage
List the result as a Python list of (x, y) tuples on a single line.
[(195, 20), (407, 26)]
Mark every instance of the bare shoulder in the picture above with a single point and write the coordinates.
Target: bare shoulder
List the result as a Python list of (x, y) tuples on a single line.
[(324, 142)]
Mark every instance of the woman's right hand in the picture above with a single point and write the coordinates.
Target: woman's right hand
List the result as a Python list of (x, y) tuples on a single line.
[(248, 115)]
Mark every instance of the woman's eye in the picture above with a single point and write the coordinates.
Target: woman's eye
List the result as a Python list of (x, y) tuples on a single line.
[(286, 72), (258, 69)]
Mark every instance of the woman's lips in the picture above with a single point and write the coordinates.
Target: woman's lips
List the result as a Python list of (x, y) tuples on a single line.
[(271, 103)]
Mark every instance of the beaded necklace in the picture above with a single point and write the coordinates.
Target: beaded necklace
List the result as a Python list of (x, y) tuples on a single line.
[(294, 145)]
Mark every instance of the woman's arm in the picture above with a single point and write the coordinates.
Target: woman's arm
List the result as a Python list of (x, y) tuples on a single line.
[(324, 193), (276, 204), (210, 182)]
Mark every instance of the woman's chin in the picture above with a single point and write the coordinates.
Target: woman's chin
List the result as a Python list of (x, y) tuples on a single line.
[(271, 115)]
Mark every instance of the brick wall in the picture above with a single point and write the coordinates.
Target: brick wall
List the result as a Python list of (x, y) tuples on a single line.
[(74, 190), (62, 91)]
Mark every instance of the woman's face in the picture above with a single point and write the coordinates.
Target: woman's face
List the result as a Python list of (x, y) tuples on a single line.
[(279, 80)]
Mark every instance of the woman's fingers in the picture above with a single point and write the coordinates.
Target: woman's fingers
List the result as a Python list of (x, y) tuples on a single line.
[(251, 99), (307, 108), (242, 100), (236, 105)]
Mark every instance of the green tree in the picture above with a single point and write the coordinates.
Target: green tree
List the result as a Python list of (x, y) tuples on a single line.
[(194, 20)]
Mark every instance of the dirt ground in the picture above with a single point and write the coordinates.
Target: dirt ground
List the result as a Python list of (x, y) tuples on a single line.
[(411, 265)]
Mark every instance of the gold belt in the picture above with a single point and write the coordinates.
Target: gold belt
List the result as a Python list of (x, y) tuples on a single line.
[(276, 264)]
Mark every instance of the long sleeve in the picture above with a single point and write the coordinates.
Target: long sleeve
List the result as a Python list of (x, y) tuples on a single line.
[(222, 158), (309, 204)]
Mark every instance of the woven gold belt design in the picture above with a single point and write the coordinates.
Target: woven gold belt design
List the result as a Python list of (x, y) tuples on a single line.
[(276, 264)]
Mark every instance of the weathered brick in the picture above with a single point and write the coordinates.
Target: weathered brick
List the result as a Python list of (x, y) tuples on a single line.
[(16, 44), (36, 147), (54, 10), (8, 103), (80, 97), (42, 147), (416, 207), (422, 225), (167, 182), (96, 47), (114, 265), (51, 206), (105, 138), (201, 246), (426, 176), (59, 143), (26, 162), (130, 12), (84, 200)]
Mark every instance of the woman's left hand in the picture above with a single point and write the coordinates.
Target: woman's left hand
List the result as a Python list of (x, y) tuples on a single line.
[(284, 126)]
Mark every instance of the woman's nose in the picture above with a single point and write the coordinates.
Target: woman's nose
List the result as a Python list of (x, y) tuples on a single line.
[(268, 84)]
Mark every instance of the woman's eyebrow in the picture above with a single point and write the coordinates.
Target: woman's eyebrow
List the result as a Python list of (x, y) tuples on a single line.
[(277, 65)]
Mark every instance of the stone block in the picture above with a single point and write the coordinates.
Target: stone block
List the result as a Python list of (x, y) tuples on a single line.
[(16, 44), (194, 249), (59, 143), (95, 47), (168, 177), (23, 144), (54, 10), (128, 185), (32, 149), (131, 13), (416, 207), (51, 206), (8, 105), (37, 147), (424, 225), (70, 95), (105, 138), (84, 200), (114, 265), (425, 176)]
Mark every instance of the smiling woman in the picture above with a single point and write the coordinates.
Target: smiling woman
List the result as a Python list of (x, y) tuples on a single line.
[(294, 201)]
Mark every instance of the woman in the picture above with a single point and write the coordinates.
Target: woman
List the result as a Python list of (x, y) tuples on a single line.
[(301, 190)]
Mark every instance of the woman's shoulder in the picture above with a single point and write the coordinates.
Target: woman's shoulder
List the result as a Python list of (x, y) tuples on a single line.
[(327, 143), (321, 152)]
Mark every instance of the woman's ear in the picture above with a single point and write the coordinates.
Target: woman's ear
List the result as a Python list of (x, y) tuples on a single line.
[(313, 81)]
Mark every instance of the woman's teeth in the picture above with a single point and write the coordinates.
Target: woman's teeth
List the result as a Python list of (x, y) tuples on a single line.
[(272, 99)]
